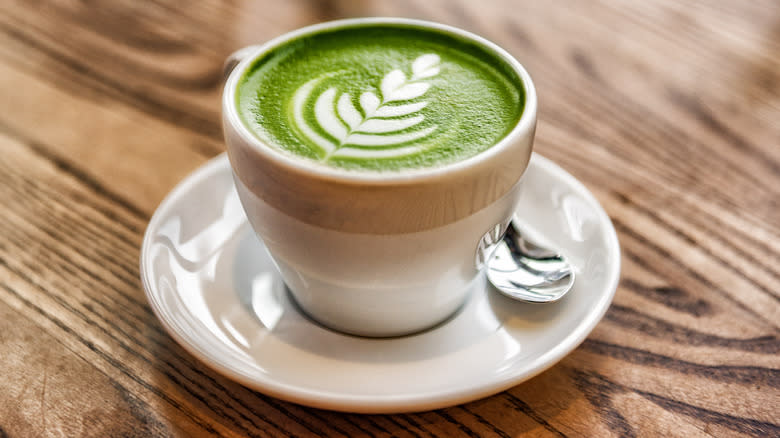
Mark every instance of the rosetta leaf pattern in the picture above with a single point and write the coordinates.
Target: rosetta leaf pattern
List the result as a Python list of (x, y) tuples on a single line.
[(382, 126)]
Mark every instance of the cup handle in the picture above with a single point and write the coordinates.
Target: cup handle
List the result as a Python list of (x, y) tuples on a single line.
[(232, 61)]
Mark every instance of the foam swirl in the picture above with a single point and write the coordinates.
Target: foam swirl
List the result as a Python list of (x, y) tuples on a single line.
[(377, 129)]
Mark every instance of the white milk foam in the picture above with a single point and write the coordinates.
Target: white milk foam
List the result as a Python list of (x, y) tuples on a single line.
[(341, 120)]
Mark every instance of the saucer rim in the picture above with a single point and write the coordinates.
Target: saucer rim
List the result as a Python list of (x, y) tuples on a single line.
[(398, 403)]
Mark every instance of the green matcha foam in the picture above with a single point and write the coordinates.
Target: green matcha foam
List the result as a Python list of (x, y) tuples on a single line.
[(380, 97)]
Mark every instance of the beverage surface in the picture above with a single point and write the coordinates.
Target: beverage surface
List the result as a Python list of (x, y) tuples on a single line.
[(380, 98)]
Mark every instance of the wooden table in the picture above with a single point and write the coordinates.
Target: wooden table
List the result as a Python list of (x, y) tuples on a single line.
[(668, 111)]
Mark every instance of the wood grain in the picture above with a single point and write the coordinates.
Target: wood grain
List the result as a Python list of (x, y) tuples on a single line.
[(668, 111)]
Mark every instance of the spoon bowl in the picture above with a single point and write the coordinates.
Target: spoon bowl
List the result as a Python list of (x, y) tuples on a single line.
[(525, 271)]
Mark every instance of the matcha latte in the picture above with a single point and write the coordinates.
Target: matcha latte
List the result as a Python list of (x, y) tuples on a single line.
[(380, 97)]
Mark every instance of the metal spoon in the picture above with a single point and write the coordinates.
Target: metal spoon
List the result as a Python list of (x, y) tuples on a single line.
[(528, 272)]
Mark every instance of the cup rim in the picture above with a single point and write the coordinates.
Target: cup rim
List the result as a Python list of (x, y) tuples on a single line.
[(525, 123)]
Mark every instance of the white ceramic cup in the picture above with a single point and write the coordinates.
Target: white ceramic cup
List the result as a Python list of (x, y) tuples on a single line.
[(377, 253)]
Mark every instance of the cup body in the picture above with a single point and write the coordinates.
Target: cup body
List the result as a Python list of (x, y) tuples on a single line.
[(378, 253)]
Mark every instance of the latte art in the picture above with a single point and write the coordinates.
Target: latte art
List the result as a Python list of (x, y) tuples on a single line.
[(379, 122), (380, 98)]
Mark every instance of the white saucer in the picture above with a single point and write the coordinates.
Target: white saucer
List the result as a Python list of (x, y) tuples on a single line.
[(211, 283)]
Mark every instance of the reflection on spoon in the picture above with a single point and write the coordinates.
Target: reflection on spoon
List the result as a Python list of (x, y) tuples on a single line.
[(528, 272)]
